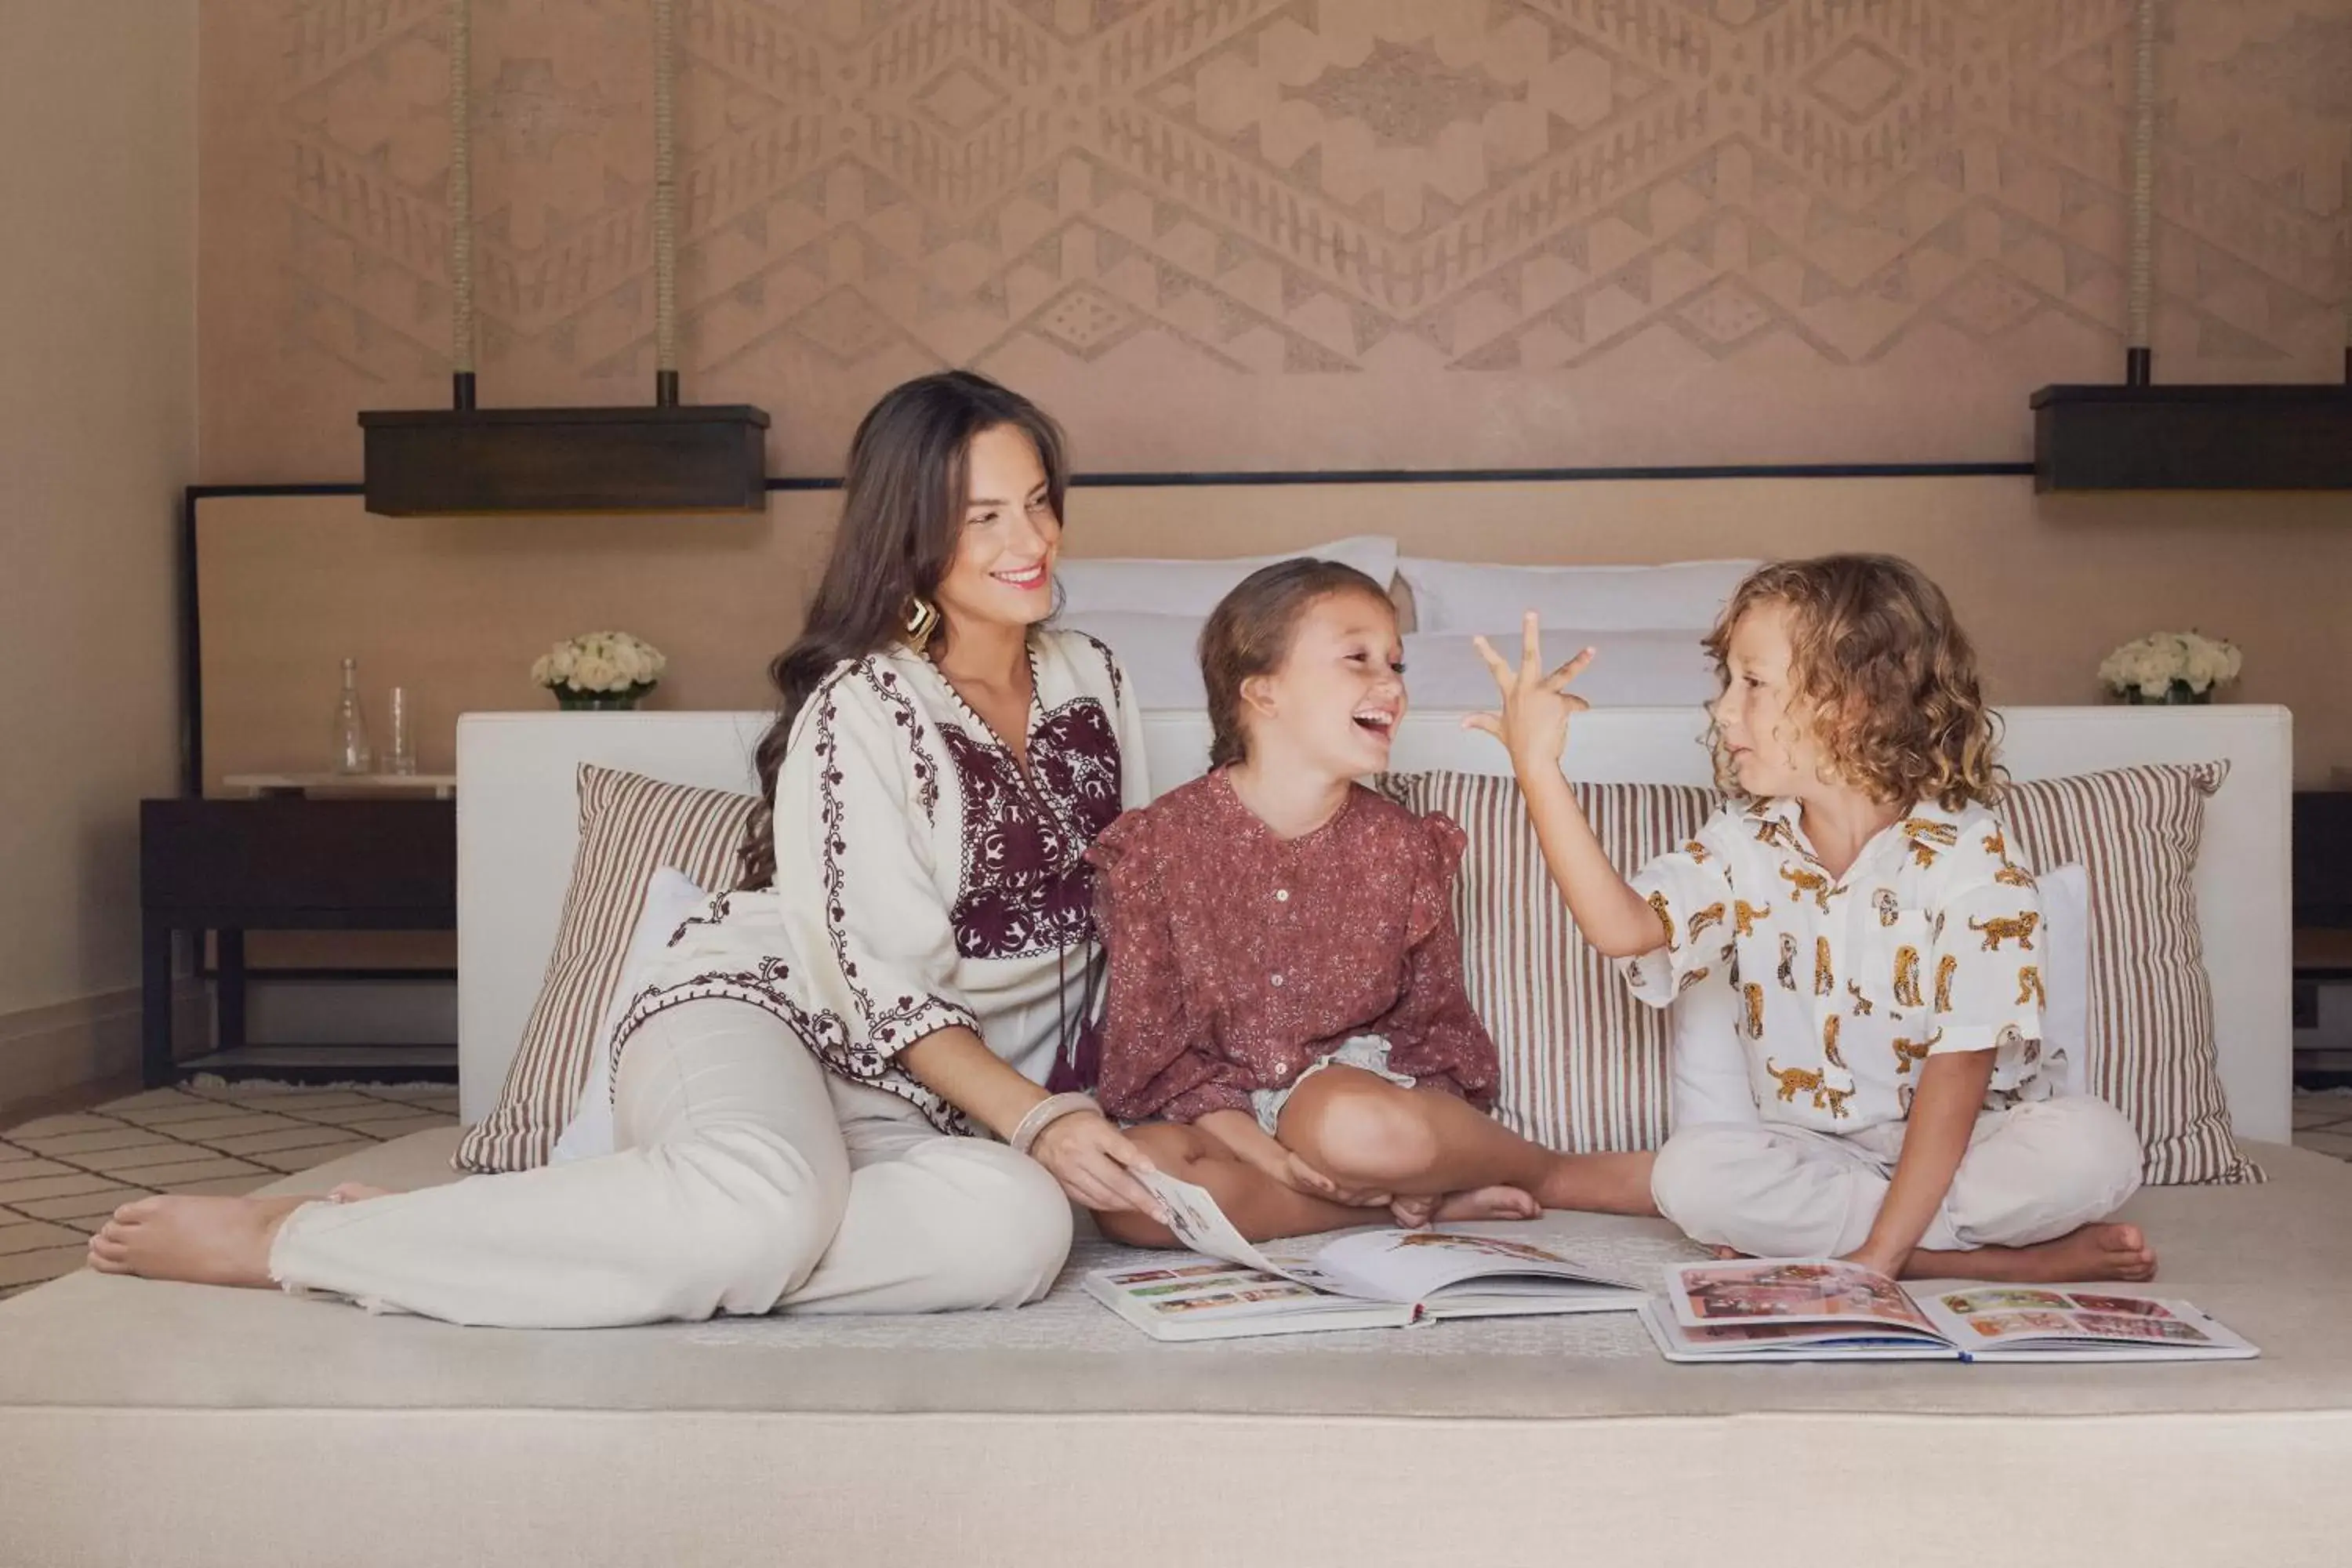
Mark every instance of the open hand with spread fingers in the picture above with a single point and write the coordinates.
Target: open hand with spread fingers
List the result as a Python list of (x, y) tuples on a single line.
[(1532, 723)]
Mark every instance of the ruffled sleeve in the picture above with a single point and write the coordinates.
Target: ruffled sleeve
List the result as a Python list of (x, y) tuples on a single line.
[(1690, 890), (1154, 1064), (1435, 1035)]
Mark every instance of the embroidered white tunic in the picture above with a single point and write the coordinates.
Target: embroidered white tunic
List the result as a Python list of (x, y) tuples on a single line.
[(922, 879), (1930, 943)]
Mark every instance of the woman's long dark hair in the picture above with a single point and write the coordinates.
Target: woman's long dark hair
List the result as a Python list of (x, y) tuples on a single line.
[(902, 506)]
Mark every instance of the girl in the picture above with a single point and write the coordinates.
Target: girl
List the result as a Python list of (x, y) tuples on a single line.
[(911, 953), (1857, 896), (1286, 985)]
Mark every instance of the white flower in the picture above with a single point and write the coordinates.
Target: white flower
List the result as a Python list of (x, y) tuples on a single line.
[(2154, 664), (599, 661)]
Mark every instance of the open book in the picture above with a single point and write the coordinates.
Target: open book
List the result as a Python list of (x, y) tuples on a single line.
[(1384, 1278), (1815, 1309)]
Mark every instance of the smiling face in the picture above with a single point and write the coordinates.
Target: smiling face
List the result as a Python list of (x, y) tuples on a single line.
[(1766, 736), (1335, 701), (1003, 574)]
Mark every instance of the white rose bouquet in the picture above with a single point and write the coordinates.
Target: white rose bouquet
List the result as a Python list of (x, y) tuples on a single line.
[(2170, 666), (600, 669)]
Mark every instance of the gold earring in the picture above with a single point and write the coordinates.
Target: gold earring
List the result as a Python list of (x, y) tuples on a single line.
[(922, 620)]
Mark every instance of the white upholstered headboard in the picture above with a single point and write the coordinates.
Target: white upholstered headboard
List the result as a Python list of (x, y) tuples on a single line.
[(517, 823)]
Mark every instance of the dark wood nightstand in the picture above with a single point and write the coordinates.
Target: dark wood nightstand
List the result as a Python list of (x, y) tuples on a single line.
[(2323, 859), (287, 863), (2323, 932)]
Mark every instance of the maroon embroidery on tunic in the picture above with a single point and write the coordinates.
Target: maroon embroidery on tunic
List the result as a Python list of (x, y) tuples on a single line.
[(825, 1033), (903, 714), (1025, 887)]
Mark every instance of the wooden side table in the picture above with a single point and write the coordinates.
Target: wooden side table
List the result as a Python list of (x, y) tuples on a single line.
[(287, 863)]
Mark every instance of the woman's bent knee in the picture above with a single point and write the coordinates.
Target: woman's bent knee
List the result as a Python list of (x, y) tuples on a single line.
[(1005, 1232), (754, 1223)]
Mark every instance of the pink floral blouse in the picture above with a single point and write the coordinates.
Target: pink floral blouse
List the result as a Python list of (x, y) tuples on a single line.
[(1238, 958)]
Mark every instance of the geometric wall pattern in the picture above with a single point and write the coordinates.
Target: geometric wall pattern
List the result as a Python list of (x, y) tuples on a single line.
[(1118, 198)]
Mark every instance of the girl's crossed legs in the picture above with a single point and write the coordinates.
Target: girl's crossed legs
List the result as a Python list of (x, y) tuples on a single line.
[(749, 1178), (1439, 1156)]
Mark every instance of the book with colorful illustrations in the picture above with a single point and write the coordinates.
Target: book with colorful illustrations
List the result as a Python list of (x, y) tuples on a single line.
[(1379, 1278), (1812, 1309)]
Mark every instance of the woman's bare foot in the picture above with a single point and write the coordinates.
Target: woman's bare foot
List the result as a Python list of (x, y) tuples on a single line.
[(2105, 1251), (203, 1240), (356, 1192)]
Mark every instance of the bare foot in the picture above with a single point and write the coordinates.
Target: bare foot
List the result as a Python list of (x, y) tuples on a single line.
[(203, 1240), (1729, 1255), (1489, 1203), (357, 1193), (2105, 1251), (1415, 1212)]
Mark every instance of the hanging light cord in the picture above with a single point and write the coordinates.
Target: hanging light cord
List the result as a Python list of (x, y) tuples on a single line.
[(664, 208), (2139, 346), (461, 203)]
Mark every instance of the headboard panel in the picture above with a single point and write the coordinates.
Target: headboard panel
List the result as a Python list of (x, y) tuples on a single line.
[(517, 828)]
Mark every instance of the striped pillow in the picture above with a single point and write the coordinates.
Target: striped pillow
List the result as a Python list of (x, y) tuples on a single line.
[(2151, 1047), (1585, 1066), (630, 827)]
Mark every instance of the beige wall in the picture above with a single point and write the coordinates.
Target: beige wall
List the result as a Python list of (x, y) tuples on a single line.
[(455, 608), (1258, 234), (97, 436)]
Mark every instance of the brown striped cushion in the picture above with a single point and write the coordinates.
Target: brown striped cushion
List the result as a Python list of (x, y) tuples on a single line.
[(630, 827), (2151, 1047), (1584, 1065)]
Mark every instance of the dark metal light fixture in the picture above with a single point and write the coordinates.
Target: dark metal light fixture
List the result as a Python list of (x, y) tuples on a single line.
[(2139, 435), (668, 457)]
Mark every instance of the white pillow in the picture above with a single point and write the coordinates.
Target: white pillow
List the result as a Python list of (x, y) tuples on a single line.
[(1710, 1062), (1467, 596), (1629, 669), (1160, 654), (2067, 1017), (1194, 588), (671, 897)]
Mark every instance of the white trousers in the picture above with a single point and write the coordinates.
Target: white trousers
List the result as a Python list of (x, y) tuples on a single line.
[(748, 1179), (2030, 1174)]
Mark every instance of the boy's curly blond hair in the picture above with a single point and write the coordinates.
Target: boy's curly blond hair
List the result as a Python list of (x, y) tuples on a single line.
[(1881, 673)]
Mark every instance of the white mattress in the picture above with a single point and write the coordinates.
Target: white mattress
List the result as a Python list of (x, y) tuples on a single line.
[(160, 1423)]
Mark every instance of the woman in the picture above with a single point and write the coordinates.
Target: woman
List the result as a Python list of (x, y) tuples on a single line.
[(909, 957)]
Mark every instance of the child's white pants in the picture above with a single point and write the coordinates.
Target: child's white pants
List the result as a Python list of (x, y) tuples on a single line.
[(2030, 1174), (748, 1178)]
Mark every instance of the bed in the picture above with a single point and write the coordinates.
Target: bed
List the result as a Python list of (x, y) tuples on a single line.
[(160, 1423)]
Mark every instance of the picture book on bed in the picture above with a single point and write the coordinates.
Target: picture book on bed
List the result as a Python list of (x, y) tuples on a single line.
[(1823, 1309), (1382, 1278)]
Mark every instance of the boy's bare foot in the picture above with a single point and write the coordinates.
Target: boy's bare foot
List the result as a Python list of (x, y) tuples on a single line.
[(203, 1240), (2105, 1251)]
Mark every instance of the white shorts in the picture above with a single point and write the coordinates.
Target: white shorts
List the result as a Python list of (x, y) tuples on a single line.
[(1368, 1053)]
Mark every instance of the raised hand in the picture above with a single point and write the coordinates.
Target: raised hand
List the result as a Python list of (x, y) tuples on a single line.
[(1532, 722)]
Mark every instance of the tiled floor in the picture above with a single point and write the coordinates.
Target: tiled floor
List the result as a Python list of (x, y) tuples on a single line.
[(62, 1175)]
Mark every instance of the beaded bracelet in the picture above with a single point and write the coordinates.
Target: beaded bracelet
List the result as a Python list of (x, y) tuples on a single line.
[(1045, 1113)]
